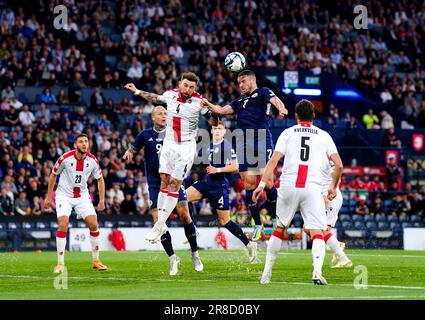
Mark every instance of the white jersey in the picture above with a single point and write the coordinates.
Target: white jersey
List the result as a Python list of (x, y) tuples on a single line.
[(305, 147), (74, 174), (182, 115), (327, 170)]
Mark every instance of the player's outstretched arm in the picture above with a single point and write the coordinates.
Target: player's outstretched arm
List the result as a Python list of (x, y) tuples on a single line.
[(48, 200), (336, 175), (101, 187), (216, 109), (232, 167), (268, 172), (155, 98), (280, 106)]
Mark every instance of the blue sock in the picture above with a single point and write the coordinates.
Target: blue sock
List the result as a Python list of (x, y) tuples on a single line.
[(271, 201), (236, 230), (253, 208), (190, 231), (166, 243)]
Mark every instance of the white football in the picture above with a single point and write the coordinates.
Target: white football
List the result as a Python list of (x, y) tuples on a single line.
[(235, 61)]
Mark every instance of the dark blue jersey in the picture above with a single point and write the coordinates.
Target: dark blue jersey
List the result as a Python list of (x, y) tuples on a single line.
[(151, 140), (253, 110), (220, 156)]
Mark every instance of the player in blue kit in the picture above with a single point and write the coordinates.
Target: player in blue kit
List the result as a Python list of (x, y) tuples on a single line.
[(216, 187), (151, 140), (253, 119)]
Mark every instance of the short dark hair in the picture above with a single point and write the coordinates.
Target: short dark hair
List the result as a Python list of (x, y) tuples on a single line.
[(305, 110), (218, 123), (80, 135), (190, 76), (246, 72)]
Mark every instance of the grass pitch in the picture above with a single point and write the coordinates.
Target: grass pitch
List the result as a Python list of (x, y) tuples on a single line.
[(391, 274)]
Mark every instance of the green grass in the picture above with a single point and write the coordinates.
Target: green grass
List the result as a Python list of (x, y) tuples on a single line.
[(392, 274)]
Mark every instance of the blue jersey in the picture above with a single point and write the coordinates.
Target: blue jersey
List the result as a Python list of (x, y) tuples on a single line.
[(152, 141), (253, 110), (220, 156)]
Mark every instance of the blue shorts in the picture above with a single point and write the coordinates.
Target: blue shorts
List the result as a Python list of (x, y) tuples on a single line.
[(257, 151), (153, 195), (218, 196)]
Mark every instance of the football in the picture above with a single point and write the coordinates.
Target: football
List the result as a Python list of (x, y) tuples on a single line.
[(235, 61)]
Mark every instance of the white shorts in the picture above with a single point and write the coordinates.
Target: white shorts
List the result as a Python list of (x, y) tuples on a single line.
[(83, 206), (177, 158), (308, 200), (333, 207)]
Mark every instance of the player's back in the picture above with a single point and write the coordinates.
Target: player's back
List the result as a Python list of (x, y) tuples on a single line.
[(220, 156), (182, 115), (305, 147)]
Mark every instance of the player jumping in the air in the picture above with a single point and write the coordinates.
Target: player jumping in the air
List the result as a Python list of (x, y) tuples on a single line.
[(216, 186), (74, 168), (151, 140), (304, 147), (253, 118), (179, 148)]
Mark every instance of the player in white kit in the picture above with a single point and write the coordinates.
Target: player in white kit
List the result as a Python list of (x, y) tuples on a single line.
[(304, 146), (179, 148), (74, 169), (340, 259)]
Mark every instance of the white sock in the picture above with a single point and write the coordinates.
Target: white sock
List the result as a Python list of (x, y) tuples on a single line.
[(60, 246), (273, 248), (162, 195), (94, 241), (173, 257), (318, 250), (169, 205), (333, 244)]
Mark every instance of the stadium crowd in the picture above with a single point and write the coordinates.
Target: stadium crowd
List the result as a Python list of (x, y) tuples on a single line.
[(107, 44)]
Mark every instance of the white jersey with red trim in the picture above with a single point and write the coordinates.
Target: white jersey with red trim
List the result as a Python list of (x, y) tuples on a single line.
[(74, 174), (305, 147), (327, 170), (182, 115)]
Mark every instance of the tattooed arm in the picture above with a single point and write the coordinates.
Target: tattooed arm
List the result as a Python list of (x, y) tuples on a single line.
[(155, 98)]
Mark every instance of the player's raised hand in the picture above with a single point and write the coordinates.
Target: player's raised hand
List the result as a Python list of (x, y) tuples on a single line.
[(331, 193), (101, 206), (128, 156), (131, 87), (283, 112), (47, 203), (257, 193), (211, 169)]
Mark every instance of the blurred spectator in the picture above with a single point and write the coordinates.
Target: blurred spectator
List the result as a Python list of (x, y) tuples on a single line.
[(115, 192), (400, 205), (8, 93), (97, 100), (391, 139), (127, 205), (6, 203), (370, 120), (15, 103), (22, 205), (47, 96), (417, 203), (387, 121), (376, 207), (26, 117), (43, 112), (392, 170), (361, 207), (357, 183)]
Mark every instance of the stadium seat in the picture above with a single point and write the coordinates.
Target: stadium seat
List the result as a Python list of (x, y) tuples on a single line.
[(359, 225), (298, 223), (13, 225), (418, 225), (136, 224), (344, 210), (381, 218), (358, 217), (406, 225), (369, 217), (338, 225), (347, 225), (123, 224), (404, 218), (54, 225), (395, 225), (3, 226), (108, 224), (371, 225), (416, 218), (345, 217), (81, 224), (392, 218), (42, 225), (388, 203), (383, 226)]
